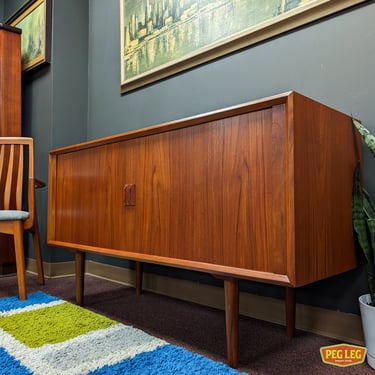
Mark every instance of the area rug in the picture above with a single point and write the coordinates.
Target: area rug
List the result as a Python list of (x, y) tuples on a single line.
[(45, 335)]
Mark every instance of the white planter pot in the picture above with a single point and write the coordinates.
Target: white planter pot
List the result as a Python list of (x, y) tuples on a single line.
[(368, 324)]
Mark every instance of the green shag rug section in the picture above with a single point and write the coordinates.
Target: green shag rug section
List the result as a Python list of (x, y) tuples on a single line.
[(53, 324)]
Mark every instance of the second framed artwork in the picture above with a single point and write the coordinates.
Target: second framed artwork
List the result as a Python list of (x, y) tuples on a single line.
[(159, 38), (34, 19)]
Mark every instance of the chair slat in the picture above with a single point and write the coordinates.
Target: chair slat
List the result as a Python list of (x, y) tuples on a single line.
[(11, 175), (8, 181), (19, 182), (2, 147), (2, 167)]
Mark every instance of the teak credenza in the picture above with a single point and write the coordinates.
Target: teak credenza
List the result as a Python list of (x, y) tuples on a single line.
[(260, 191)]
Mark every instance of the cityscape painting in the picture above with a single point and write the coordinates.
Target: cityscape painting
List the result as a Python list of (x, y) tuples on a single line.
[(162, 37)]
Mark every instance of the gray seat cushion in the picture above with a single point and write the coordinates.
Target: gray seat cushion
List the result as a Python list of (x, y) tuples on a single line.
[(13, 215)]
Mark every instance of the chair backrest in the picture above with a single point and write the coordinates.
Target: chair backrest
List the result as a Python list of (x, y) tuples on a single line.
[(17, 163)]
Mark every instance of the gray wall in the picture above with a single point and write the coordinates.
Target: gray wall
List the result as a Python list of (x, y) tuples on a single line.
[(78, 97), (331, 61)]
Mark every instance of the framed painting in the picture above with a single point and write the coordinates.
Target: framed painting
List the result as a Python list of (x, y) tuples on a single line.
[(34, 19), (159, 38)]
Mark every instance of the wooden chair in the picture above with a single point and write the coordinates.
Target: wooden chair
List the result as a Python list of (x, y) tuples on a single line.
[(18, 210)]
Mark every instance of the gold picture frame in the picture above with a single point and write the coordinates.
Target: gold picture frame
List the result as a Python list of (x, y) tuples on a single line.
[(156, 43), (34, 19)]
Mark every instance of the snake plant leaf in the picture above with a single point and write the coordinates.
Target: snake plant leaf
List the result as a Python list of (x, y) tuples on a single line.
[(371, 228), (358, 216), (368, 205), (362, 227), (363, 214), (368, 138)]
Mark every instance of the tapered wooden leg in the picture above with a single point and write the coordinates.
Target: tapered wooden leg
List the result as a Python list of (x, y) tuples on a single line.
[(138, 278), (80, 257), (290, 310), (20, 258), (231, 318)]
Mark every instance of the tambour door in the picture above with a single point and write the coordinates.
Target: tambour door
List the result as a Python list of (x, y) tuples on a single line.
[(214, 193), (89, 198)]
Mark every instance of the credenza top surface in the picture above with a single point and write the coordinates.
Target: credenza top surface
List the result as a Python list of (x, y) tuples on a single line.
[(251, 106)]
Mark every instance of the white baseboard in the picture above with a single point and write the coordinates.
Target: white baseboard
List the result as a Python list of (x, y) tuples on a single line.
[(334, 324)]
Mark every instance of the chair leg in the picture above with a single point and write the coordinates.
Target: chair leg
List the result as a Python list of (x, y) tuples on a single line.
[(20, 258), (38, 253)]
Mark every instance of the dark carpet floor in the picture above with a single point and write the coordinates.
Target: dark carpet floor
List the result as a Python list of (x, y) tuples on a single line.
[(264, 348)]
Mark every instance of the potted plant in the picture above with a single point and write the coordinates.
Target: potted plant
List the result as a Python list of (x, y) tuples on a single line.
[(363, 213)]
